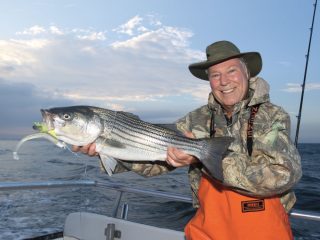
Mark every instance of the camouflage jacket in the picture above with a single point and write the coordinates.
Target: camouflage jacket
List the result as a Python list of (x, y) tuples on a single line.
[(274, 166)]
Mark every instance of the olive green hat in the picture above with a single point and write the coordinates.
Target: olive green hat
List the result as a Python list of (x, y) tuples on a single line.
[(221, 51)]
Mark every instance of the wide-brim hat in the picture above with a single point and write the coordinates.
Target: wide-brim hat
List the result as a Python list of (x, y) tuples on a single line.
[(221, 51)]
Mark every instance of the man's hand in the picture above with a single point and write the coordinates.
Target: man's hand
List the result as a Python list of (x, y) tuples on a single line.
[(178, 158), (89, 149)]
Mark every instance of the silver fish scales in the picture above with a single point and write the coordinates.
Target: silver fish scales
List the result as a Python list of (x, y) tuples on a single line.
[(121, 135)]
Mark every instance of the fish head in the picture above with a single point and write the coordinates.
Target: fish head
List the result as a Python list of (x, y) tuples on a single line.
[(76, 125)]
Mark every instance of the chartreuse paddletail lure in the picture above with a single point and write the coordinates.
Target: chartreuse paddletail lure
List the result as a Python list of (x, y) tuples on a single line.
[(43, 133)]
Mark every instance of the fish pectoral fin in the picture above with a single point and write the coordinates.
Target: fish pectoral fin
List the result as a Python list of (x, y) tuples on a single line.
[(108, 163), (113, 143)]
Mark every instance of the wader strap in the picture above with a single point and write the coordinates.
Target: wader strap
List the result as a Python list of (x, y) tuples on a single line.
[(212, 130), (253, 111)]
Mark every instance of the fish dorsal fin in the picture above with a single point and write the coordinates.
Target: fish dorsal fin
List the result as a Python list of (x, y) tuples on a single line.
[(172, 128), (108, 115)]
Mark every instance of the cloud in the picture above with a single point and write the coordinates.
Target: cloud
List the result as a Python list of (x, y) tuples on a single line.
[(145, 73), (34, 30), (294, 87), (165, 43), (56, 30), (130, 26), (52, 31), (18, 58), (21, 103), (88, 34)]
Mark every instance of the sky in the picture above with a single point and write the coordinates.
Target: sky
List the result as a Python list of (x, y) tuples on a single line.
[(134, 55)]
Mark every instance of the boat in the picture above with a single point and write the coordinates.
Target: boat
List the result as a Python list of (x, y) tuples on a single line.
[(92, 226)]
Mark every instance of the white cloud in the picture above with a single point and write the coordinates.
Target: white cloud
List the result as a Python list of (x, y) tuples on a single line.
[(53, 31), (56, 30), (88, 34), (294, 87), (78, 65), (198, 91), (93, 36), (153, 20), (164, 43), (35, 43), (18, 58), (129, 27), (34, 30)]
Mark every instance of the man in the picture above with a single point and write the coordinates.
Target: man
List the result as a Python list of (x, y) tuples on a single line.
[(250, 198)]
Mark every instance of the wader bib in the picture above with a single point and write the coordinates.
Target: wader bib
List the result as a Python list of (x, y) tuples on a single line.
[(224, 214)]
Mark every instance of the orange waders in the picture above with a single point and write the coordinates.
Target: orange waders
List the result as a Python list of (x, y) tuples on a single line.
[(225, 214)]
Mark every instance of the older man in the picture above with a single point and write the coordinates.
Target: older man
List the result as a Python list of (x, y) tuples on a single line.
[(251, 199), (250, 195)]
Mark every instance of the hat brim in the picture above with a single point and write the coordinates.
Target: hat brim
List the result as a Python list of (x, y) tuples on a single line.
[(253, 61)]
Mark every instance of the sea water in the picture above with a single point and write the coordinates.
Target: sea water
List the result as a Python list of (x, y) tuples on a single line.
[(30, 213)]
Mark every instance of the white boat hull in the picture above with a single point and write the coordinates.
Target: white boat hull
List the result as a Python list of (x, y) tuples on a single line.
[(90, 226)]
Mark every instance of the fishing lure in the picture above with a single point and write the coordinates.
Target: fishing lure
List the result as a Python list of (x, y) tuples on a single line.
[(44, 133)]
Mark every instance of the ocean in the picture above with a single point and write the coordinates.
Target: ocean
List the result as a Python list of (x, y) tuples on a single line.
[(30, 213)]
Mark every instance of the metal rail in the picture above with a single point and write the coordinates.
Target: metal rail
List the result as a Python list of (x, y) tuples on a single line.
[(6, 186)]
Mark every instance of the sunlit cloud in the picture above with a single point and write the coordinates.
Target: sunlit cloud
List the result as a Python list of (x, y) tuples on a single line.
[(85, 67), (56, 30), (130, 26), (18, 58), (200, 91), (34, 30), (167, 43), (131, 98), (87, 34), (29, 44)]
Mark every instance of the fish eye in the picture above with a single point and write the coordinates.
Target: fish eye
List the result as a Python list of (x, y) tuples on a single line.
[(66, 116)]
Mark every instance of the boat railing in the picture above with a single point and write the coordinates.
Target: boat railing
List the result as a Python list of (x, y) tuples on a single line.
[(120, 188)]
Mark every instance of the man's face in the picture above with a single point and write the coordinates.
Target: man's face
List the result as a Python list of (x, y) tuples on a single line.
[(229, 82)]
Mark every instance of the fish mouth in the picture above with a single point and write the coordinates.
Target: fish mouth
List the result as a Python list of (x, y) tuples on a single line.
[(47, 119)]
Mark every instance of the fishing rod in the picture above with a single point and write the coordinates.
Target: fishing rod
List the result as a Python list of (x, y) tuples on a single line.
[(305, 76)]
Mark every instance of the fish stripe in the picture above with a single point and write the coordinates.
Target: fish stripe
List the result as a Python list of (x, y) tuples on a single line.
[(154, 138), (158, 133)]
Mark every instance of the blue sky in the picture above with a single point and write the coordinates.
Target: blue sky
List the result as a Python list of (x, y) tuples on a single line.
[(134, 55)]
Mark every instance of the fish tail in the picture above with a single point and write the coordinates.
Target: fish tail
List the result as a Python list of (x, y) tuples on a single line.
[(213, 150)]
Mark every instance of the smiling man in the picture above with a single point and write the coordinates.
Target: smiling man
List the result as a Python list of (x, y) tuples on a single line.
[(248, 193), (229, 82)]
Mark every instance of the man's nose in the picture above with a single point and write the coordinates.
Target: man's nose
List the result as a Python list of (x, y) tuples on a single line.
[(224, 80)]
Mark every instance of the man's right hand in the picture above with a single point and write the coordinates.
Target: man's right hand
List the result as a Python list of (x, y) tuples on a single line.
[(89, 149)]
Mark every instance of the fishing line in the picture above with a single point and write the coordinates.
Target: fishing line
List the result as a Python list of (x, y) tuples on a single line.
[(50, 136), (84, 201)]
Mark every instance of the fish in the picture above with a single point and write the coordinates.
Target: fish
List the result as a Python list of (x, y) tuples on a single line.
[(124, 136)]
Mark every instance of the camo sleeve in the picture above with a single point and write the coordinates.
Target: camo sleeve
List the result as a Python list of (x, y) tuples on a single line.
[(145, 169), (274, 167)]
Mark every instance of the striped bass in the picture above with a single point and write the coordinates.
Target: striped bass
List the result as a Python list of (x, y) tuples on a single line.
[(123, 136)]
